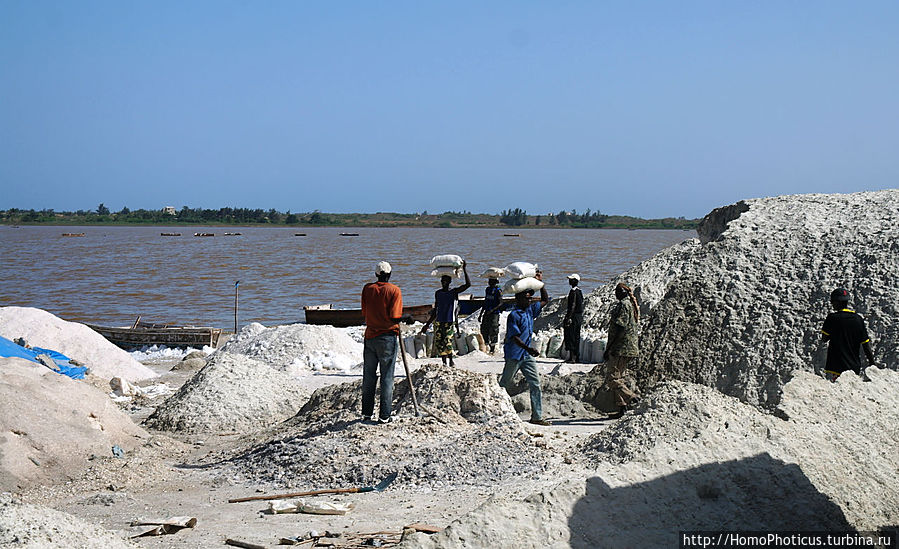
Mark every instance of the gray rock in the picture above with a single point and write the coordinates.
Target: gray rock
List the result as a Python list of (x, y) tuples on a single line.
[(740, 309)]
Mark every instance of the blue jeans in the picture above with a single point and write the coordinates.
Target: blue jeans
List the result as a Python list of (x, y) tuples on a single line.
[(528, 367), (378, 353)]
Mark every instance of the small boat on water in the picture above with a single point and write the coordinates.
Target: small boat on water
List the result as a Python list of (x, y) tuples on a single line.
[(512, 234), (468, 304), (142, 334), (232, 234), (299, 234), (341, 318), (204, 234), (72, 234), (349, 234), (169, 234)]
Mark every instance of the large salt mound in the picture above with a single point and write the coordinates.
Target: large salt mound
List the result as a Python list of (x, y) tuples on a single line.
[(690, 458), (741, 309), (471, 436), (51, 424), (297, 348), (29, 526), (232, 393), (77, 341)]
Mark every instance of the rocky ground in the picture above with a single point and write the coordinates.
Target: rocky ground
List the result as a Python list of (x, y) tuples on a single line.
[(734, 431)]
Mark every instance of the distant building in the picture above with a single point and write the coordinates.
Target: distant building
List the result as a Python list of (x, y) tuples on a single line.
[(170, 210)]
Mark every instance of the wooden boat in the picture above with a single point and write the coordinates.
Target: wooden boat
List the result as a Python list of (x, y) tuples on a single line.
[(512, 234), (468, 304), (72, 234), (142, 334), (349, 234), (341, 318), (204, 234), (233, 234), (299, 234), (169, 234)]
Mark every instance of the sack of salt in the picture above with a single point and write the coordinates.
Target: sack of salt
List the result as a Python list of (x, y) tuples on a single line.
[(515, 286), (446, 260), (521, 269)]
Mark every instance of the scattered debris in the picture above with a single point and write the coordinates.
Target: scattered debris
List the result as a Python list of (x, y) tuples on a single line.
[(165, 527)]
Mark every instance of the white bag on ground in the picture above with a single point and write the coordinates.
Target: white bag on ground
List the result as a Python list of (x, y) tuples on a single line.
[(493, 272), (521, 269), (447, 271), (446, 260), (599, 347), (553, 347), (520, 285), (472, 341), (461, 345)]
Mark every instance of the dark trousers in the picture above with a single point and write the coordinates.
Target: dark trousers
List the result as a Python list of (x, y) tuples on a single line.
[(378, 353), (572, 334)]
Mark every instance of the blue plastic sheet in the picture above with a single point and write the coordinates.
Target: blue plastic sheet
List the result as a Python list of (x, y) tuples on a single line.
[(10, 348)]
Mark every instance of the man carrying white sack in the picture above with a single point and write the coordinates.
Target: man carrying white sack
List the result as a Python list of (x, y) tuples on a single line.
[(382, 308), (518, 351), (443, 315)]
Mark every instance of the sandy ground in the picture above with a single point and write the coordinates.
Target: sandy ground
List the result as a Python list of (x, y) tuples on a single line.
[(158, 481)]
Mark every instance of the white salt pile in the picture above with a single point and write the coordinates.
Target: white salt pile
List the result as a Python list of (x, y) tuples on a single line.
[(31, 526), (232, 393), (691, 458), (470, 435), (42, 329), (50, 425), (742, 308), (297, 348)]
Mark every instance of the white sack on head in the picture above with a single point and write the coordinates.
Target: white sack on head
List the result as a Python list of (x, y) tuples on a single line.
[(446, 260), (493, 272), (522, 285), (447, 271), (521, 269)]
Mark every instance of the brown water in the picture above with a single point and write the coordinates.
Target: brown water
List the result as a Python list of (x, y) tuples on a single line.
[(113, 274)]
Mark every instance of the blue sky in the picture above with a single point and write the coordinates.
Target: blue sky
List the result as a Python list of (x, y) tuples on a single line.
[(641, 108)]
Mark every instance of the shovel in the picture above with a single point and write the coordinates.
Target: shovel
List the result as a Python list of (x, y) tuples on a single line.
[(377, 488), (408, 375)]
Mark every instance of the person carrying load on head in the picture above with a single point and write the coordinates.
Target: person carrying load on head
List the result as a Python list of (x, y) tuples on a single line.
[(443, 315), (574, 318), (519, 350), (622, 347), (382, 309), (844, 331), (489, 317)]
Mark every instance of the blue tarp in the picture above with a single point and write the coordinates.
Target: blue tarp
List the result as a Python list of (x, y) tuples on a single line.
[(12, 349)]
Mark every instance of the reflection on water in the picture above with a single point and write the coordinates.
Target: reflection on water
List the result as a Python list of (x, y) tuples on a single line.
[(113, 274)]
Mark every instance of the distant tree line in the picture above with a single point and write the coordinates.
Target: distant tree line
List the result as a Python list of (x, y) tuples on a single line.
[(516, 217)]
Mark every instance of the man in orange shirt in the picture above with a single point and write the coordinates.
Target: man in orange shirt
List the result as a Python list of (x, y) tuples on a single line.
[(382, 308)]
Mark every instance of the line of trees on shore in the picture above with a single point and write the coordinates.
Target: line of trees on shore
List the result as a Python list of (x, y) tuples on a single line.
[(516, 217)]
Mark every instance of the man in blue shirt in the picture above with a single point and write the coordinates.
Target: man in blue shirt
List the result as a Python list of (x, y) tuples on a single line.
[(519, 351), (444, 316)]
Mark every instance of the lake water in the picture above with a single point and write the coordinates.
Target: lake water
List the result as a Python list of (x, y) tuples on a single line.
[(113, 274)]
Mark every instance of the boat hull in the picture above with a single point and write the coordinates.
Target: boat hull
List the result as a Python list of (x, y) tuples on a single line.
[(342, 318)]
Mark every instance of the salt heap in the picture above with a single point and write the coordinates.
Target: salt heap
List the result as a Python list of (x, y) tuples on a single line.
[(470, 435), (37, 527), (691, 458), (232, 393), (77, 341), (297, 348), (741, 308), (50, 425)]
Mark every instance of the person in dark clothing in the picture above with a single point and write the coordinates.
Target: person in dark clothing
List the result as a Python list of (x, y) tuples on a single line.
[(489, 317), (443, 315), (844, 331), (574, 317)]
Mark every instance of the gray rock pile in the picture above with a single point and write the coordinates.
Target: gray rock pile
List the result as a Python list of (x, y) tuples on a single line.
[(37, 527), (232, 393), (469, 436), (691, 458), (740, 308)]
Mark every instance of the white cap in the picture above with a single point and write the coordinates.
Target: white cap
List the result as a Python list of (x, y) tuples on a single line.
[(383, 268), (575, 276)]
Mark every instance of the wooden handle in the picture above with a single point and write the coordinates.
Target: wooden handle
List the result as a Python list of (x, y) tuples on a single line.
[(297, 494), (245, 545)]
